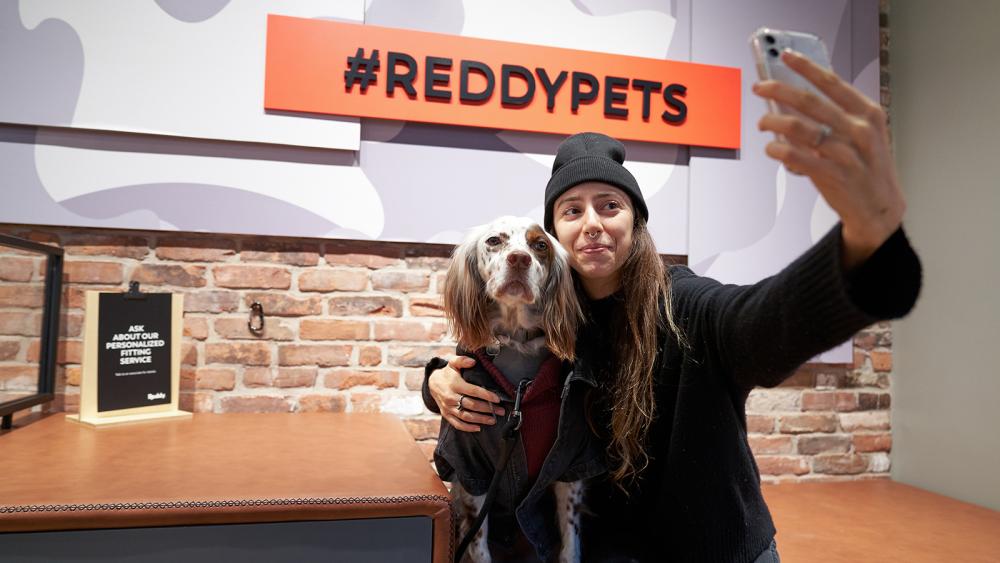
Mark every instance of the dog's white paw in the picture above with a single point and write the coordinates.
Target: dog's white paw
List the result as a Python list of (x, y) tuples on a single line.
[(569, 499), (467, 507)]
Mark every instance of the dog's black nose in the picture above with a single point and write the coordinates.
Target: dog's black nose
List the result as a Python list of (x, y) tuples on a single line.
[(518, 259)]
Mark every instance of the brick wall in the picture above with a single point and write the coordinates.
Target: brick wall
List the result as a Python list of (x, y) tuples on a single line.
[(350, 324)]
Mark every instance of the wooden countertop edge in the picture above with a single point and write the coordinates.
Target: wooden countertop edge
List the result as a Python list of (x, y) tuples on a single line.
[(42, 518), (37, 518)]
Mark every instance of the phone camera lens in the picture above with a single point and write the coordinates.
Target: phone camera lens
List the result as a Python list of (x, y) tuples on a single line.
[(769, 39), (773, 52)]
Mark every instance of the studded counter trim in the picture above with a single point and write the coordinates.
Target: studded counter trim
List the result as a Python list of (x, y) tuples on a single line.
[(216, 504)]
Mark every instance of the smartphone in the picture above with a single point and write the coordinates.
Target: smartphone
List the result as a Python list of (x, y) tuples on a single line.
[(767, 45)]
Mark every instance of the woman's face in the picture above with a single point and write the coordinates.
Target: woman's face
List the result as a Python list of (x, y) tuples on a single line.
[(593, 221)]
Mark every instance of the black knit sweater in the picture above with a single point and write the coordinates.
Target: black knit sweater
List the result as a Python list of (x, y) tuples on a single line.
[(700, 499)]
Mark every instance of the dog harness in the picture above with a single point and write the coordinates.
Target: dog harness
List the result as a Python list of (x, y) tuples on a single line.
[(535, 415), (477, 459), (539, 408)]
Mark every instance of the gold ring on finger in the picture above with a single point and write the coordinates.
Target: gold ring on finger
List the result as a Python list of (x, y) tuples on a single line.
[(822, 136)]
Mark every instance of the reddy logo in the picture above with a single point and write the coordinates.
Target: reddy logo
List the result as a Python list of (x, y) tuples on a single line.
[(328, 67)]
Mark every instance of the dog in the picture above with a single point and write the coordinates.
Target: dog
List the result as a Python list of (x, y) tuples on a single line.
[(509, 293)]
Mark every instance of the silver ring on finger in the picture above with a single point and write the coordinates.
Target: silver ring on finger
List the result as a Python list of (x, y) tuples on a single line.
[(821, 137), (460, 406)]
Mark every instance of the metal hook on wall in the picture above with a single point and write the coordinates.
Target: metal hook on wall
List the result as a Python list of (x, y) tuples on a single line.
[(256, 310)]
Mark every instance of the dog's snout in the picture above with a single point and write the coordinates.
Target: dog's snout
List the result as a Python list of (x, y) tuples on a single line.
[(518, 259)]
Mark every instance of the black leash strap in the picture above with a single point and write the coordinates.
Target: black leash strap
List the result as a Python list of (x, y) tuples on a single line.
[(508, 438)]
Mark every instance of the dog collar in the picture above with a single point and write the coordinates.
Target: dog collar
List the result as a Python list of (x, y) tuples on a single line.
[(501, 340)]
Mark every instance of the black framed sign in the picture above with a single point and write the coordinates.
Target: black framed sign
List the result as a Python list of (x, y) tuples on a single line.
[(131, 357), (133, 351)]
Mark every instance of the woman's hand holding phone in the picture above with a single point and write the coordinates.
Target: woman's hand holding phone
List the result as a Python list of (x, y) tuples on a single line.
[(840, 140)]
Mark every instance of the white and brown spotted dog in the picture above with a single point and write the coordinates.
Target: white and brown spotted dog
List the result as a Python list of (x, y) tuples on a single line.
[(509, 286)]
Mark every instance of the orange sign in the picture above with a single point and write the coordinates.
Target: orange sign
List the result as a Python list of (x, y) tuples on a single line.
[(328, 67)]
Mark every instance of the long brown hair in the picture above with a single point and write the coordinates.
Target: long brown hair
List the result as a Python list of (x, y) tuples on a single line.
[(647, 313)]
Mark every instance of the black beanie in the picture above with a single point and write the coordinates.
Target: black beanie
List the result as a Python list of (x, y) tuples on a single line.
[(587, 157)]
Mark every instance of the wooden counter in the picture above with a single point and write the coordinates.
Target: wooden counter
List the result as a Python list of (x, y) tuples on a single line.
[(356, 483)]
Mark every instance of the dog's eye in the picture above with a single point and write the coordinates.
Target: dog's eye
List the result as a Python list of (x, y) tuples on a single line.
[(493, 241), (540, 245)]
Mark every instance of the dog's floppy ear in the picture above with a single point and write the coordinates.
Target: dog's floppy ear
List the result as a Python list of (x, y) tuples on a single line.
[(561, 313), (465, 301)]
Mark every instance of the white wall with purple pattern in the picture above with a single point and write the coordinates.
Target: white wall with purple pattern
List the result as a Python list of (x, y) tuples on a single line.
[(149, 115)]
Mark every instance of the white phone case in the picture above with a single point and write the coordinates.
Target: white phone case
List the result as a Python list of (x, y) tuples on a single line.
[(767, 45)]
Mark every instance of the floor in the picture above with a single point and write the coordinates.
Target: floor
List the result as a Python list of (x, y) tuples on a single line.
[(880, 521)]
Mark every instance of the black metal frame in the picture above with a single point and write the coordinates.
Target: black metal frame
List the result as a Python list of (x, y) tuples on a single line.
[(50, 328)]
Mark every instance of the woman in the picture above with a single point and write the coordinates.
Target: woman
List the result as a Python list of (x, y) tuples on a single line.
[(675, 355)]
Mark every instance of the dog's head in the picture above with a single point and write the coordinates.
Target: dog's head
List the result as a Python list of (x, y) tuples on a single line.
[(510, 274)]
